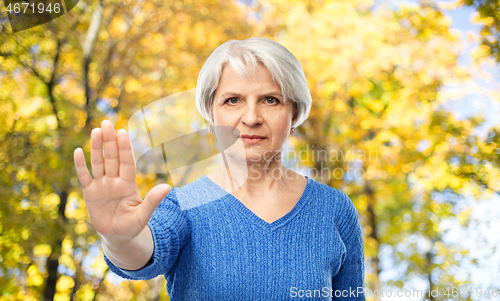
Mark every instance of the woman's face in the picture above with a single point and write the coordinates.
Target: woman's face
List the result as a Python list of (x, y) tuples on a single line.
[(254, 107)]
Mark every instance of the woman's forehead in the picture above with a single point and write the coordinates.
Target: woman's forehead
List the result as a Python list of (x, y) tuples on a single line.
[(230, 78)]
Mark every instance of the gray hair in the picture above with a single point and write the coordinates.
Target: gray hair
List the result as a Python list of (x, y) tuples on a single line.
[(283, 66)]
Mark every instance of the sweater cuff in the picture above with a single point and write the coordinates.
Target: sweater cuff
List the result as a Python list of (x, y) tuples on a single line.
[(155, 265), (170, 229)]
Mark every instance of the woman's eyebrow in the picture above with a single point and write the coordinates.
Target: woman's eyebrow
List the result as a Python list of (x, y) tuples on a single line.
[(232, 94)]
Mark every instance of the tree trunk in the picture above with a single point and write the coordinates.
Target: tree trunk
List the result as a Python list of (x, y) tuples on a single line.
[(88, 47), (372, 223), (53, 260), (52, 264), (429, 257)]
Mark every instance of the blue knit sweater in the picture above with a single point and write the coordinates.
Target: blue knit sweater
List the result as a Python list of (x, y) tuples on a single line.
[(210, 246)]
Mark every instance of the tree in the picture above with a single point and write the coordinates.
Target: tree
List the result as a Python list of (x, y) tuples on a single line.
[(375, 78), (377, 130), (104, 59), (489, 17)]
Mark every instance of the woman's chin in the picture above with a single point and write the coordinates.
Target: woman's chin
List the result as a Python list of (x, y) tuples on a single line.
[(244, 158)]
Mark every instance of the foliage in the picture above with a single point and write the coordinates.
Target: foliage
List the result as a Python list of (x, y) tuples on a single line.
[(375, 78), (60, 80), (489, 18)]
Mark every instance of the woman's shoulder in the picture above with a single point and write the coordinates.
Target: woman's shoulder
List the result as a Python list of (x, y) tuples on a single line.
[(330, 193), (334, 198), (196, 193), (337, 202)]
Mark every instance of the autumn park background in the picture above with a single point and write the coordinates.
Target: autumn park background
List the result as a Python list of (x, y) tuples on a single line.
[(385, 76)]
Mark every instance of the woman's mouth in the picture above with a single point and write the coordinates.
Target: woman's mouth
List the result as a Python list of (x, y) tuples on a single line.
[(252, 139)]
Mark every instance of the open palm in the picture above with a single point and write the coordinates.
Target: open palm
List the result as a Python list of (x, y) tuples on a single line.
[(115, 206)]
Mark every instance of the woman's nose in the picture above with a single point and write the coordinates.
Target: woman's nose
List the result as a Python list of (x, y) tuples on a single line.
[(252, 115)]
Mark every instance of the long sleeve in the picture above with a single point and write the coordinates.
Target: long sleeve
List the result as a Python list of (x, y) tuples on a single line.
[(171, 230), (348, 283)]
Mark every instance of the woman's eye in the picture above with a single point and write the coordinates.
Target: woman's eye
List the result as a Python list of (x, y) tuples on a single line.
[(274, 100), (232, 100)]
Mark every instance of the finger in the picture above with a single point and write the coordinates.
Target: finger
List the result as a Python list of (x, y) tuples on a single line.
[(96, 158), (110, 149), (81, 168), (153, 200), (127, 163)]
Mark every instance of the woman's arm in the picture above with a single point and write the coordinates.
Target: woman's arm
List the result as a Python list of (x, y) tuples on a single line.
[(169, 230), (349, 281), (130, 234)]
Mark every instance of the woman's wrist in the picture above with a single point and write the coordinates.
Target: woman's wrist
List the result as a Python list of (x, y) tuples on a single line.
[(130, 254)]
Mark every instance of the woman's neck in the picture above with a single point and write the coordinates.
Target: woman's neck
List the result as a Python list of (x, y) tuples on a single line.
[(252, 179)]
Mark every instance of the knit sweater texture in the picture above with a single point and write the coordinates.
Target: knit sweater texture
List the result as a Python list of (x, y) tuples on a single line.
[(209, 246)]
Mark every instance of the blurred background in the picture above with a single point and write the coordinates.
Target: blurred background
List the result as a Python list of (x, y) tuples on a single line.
[(405, 93)]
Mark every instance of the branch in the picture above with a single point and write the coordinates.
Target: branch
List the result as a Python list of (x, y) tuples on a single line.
[(32, 69), (95, 24), (478, 180), (88, 47), (51, 83)]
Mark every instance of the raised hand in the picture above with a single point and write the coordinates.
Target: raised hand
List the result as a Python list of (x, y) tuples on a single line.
[(114, 204)]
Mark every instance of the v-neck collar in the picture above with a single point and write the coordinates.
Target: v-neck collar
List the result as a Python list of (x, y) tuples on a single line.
[(256, 219)]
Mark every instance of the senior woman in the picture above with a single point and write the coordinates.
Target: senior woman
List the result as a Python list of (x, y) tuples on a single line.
[(268, 234)]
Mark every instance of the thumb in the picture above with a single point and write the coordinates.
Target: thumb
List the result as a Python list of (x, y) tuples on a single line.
[(154, 197)]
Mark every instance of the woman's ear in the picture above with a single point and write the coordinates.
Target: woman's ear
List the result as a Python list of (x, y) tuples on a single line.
[(295, 114), (212, 113)]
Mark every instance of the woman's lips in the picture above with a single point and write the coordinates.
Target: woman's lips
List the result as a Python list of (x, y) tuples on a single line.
[(252, 139)]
